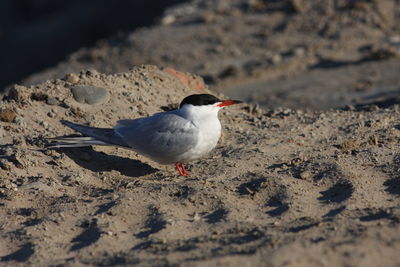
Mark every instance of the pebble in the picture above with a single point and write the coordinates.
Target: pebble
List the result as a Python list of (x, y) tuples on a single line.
[(91, 95), (168, 19), (72, 78), (276, 59), (45, 124), (51, 114), (5, 164), (52, 101), (7, 115), (134, 109), (305, 175), (20, 121), (196, 217), (299, 51)]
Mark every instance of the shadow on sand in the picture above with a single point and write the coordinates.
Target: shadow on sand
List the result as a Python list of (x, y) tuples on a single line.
[(90, 159)]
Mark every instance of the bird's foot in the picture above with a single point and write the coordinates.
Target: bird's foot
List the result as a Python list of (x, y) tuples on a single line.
[(181, 169), (184, 170)]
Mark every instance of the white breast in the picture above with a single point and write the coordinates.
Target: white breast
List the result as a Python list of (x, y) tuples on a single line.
[(206, 120)]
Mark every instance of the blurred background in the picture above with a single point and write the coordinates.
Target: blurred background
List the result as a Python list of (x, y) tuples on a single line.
[(37, 34), (303, 54)]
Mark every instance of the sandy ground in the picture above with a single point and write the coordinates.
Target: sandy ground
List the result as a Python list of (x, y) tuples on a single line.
[(283, 187), (305, 174), (312, 55)]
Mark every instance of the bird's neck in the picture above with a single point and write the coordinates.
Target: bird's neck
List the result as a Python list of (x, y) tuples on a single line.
[(200, 115)]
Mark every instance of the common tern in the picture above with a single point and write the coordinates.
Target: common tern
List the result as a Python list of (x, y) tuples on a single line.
[(172, 137)]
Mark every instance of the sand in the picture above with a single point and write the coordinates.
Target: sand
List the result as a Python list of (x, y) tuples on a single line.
[(283, 187)]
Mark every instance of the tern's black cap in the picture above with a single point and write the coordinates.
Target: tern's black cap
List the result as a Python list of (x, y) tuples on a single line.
[(200, 100)]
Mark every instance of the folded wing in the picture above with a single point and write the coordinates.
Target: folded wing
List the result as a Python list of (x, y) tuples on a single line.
[(160, 137)]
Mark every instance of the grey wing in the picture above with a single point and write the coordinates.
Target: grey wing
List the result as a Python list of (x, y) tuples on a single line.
[(159, 136)]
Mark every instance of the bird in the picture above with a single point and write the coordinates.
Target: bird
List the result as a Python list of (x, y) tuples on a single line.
[(171, 137)]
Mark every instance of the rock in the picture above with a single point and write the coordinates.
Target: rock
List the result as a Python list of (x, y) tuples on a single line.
[(305, 175), (72, 78), (51, 114), (52, 101), (18, 93), (299, 51), (91, 95), (20, 121), (7, 115), (276, 59), (45, 124), (168, 19), (5, 164)]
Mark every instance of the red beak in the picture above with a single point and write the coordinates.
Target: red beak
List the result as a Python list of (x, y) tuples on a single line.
[(229, 102)]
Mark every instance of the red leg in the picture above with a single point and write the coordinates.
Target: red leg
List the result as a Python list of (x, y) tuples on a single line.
[(184, 172), (179, 169)]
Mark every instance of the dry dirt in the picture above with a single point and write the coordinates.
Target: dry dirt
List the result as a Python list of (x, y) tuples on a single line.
[(306, 174), (283, 188)]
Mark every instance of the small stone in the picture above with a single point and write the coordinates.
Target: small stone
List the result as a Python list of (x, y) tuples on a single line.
[(91, 95), (7, 115), (51, 114), (305, 175), (45, 124), (299, 51), (5, 164), (196, 217), (134, 109), (72, 78), (168, 19), (287, 111), (52, 101), (20, 121), (276, 59)]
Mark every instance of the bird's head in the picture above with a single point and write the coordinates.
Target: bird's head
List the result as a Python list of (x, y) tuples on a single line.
[(207, 102)]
